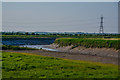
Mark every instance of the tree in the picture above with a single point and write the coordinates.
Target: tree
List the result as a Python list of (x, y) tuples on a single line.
[(26, 33), (33, 33)]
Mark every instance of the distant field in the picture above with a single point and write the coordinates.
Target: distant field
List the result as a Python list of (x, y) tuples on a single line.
[(24, 36), (104, 38), (89, 42), (24, 65), (60, 36), (33, 36)]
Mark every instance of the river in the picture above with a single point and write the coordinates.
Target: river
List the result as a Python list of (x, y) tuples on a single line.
[(44, 47), (38, 43)]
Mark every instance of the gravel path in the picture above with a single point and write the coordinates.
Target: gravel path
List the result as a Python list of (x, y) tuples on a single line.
[(73, 56)]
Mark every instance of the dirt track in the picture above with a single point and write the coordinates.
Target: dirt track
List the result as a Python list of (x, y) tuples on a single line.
[(73, 56)]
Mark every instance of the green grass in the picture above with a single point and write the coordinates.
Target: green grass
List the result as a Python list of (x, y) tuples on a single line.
[(33, 36), (88, 43), (61, 35), (24, 65), (23, 36)]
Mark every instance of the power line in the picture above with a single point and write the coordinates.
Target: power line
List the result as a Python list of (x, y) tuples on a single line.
[(101, 25)]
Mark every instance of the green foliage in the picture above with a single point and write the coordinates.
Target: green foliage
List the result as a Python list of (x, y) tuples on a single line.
[(16, 65), (57, 35), (88, 43), (10, 47)]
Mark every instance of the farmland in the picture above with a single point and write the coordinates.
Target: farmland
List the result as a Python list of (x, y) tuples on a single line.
[(58, 35), (21, 65)]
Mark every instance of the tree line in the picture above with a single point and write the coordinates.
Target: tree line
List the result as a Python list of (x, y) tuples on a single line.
[(65, 34)]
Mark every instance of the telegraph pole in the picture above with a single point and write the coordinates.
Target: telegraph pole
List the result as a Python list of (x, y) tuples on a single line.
[(101, 26)]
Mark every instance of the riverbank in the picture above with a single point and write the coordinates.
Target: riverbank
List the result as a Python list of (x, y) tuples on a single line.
[(72, 56), (88, 43), (73, 48), (101, 52)]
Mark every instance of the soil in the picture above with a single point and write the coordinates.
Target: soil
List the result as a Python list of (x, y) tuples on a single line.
[(101, 52), (103, 55), (73, 56)]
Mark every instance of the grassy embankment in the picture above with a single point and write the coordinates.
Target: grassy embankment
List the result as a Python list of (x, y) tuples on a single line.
[(88, 43), (24, 65)]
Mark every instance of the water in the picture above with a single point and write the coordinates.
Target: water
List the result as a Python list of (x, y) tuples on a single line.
[(27, 41), (30, 42), (44, 47)]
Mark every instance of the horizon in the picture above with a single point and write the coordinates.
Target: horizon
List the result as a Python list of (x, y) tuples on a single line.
[(58, 32)]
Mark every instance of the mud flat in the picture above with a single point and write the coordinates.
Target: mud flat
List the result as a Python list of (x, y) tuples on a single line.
[(103, 55), (73, 56), (101, 52)]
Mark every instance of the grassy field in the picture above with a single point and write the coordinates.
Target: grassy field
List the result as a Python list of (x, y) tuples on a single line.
[(34, 36), (89, 43), (24, 65), (25, 36), (59, 36)]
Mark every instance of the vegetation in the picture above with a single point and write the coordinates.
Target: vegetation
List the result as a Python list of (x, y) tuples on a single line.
[(88, 43), (10, 47), (56, 35), (25, 65)]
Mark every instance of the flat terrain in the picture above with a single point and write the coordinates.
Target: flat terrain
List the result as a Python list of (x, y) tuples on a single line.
[(18, 63), (26, 65), (73, 56)]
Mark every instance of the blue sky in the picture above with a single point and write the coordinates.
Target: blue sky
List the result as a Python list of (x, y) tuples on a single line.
[(60, 16)]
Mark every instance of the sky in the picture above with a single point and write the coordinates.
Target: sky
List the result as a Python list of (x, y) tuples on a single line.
[(60, 0), (0, 17), (59, 16)]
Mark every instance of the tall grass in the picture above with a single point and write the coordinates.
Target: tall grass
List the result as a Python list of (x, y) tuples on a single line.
[(88, 43)]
